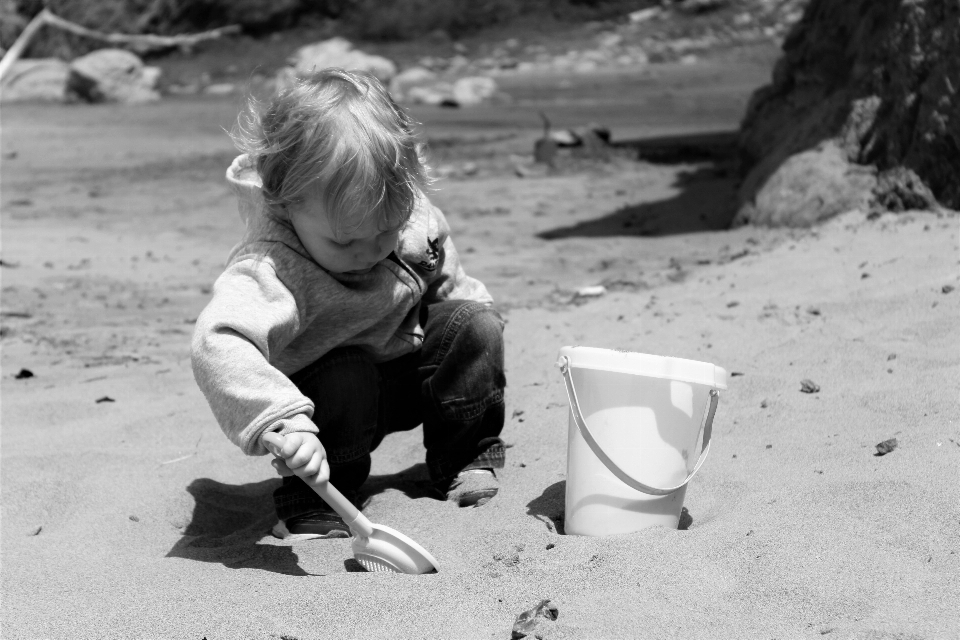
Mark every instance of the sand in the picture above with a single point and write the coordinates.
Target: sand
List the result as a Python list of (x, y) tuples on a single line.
[(126, 513)]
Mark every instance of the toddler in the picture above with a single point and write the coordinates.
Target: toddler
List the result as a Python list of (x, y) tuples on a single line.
[(343, 313)]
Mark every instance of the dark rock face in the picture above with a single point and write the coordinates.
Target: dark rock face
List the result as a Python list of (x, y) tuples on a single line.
[(877, 78)]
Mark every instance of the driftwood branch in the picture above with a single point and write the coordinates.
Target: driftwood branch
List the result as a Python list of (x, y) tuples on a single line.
[(141, 42)]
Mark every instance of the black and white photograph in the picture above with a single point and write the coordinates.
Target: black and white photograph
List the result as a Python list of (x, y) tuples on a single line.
[(480, 319)]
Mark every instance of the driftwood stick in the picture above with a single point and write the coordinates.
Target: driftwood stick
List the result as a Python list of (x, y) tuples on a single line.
[(145, 41), (22, 41)]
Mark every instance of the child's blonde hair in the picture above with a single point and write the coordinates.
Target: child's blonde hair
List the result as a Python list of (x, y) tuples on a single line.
[(341, 133)]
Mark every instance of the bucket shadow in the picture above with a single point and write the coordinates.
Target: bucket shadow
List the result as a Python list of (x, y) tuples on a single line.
[(548, 506), (227, 523)]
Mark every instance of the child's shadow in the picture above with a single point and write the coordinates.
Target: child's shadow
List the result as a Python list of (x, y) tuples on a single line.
[(228, 521), (414, 482), (548, 507)]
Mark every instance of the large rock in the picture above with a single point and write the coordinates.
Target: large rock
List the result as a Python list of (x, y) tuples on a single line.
[(878, 78), (339, 52), (40, 80), (113, 75), (474, 90), (410, 78), (812, 186)]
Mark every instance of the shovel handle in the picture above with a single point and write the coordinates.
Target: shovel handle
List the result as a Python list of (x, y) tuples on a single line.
[(350, 514)]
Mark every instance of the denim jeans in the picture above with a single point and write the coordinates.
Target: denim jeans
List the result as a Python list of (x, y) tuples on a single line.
[(453, 386)]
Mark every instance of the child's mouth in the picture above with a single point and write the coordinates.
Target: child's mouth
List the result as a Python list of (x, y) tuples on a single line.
[(357, 272)]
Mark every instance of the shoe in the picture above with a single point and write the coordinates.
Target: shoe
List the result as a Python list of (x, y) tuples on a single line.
[(312, 525), (473, 487)]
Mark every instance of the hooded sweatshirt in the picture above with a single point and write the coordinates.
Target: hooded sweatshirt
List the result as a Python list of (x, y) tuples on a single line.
[(274, 311)]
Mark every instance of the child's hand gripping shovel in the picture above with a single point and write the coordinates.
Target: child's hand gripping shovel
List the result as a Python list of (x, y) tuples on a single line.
[(376, 547)]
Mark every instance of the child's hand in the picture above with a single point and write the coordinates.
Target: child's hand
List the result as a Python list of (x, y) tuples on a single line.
[(298, 454)]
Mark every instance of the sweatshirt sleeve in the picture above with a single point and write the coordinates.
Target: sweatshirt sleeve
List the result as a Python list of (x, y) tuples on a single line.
[(251, 316), (452, 282)]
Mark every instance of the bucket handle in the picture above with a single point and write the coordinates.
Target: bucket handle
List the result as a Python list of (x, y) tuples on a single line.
[(706, 426)]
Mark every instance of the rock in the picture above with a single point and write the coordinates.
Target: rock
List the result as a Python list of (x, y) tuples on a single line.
[(809, 386), (339, 52), (886, 446), (220, 89), (901, 189), (409, 78), (879, 79), (41, 80), (809, 187), (113, 75), (700, 6), (642, 15), (594, 291), (435, 95), (474, 90)]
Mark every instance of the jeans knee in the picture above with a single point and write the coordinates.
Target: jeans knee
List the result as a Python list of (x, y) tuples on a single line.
[(479, 341)]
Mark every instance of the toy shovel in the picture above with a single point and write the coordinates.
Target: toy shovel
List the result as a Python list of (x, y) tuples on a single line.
[(375, 547)]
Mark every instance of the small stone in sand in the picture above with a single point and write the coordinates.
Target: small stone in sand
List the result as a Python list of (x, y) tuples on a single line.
[(36, 530), (764, 404), (947, 288), (23, 373), (135, 518), (591, 292), (550, 546), (105, 399), (685, 519), (528, 621), (892, 356), (809, 386), (886, 446)]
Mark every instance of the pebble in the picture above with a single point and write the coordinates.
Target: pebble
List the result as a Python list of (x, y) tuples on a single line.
[(809, 386), (886, 446), (591, 292)]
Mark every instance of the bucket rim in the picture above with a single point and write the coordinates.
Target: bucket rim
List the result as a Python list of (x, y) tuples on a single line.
[(647, 365)]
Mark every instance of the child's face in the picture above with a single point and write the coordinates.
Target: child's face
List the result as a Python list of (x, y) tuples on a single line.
[(356, 250)]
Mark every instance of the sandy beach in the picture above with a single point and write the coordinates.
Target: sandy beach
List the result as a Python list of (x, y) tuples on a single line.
[(127, 514)]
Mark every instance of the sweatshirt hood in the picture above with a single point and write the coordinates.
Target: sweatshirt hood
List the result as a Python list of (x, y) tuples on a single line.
[(243, 177)]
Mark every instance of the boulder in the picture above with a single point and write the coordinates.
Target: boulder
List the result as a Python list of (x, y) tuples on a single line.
[(877, 78), (339, 52), (812, 186), (436, 95), (474, 90), (42, 80), (408, 79), (113, 75)]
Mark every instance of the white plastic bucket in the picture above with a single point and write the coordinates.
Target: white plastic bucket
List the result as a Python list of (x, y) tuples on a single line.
[(634, 425)]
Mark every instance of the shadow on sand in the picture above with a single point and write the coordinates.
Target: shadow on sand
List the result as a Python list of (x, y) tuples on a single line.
[(227, 524), (707, 191), (414, 482), (229, 521), (548, 506)]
